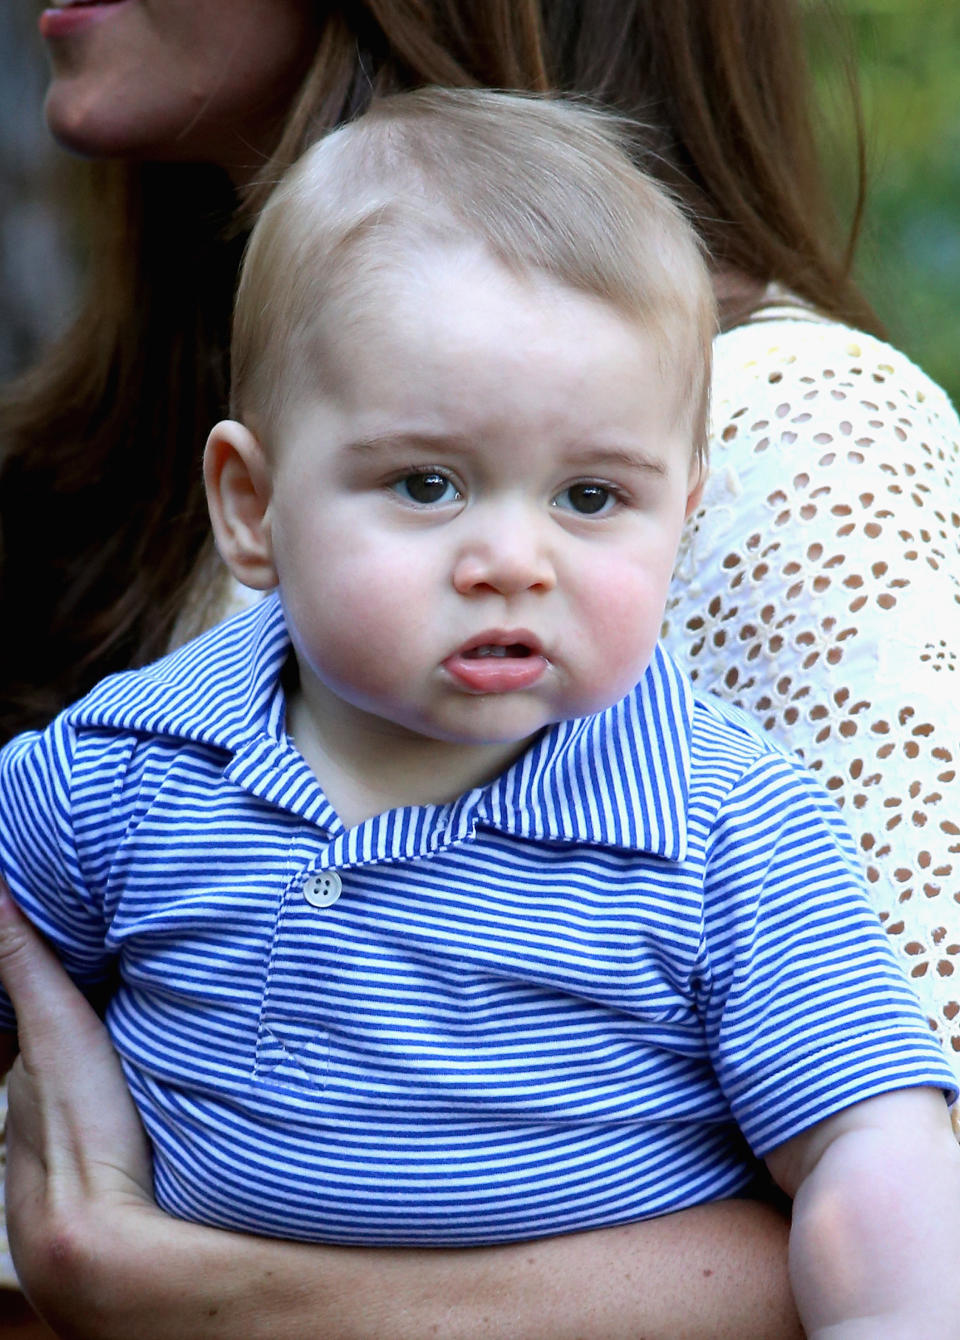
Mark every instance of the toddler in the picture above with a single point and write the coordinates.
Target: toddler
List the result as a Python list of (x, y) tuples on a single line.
[(445, 912)]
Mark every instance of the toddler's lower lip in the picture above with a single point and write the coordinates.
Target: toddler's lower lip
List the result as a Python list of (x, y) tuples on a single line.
[(495, 674)]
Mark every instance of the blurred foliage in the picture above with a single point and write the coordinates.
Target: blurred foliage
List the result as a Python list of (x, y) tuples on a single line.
[(908, 58)]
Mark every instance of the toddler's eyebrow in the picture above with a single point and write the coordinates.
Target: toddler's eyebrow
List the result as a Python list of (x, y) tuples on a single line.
[(406, 441), (619, 457)]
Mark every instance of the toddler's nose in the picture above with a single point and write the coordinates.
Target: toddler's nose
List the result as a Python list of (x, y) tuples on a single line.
[(507, 558)]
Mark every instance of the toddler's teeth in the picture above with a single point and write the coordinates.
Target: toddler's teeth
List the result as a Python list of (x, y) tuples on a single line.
[(496, 649)]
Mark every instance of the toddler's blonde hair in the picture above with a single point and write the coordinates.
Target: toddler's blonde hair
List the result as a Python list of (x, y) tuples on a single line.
[(545, 185)]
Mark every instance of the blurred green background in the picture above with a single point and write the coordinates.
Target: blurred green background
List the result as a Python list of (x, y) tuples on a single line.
[(908, 57)]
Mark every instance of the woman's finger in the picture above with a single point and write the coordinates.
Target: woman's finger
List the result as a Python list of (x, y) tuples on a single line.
[(70, 1109), (51, 1013)]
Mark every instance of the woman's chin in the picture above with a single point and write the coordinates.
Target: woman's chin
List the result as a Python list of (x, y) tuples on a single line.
[(85, 122), (80, 123)]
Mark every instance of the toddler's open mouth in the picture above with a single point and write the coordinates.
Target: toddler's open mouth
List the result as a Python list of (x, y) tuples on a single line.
[(498, 662), (498, 649)]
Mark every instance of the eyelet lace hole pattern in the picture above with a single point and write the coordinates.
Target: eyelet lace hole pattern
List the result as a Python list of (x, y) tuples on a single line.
[(818, 587)]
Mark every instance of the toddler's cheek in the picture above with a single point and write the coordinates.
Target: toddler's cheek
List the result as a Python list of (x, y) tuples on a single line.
[(365, 646), (617, 646)]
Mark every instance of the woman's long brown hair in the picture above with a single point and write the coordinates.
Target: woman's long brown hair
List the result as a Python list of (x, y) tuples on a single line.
[(101, 503)]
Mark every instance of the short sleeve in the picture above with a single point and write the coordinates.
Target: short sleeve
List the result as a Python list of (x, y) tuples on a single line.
[(38, 855), (819, 589), (804, 1007)]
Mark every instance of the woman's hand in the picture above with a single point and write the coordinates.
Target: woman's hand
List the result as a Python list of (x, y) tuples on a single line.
[(100, 1261), (74, 1139)]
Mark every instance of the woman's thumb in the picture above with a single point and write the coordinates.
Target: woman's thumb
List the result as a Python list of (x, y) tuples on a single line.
[(48, 1006)]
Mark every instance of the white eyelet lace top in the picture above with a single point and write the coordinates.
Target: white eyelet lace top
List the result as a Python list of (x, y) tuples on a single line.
[(818, 587)]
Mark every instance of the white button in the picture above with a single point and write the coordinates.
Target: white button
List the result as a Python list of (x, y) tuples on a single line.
[(323, 889)]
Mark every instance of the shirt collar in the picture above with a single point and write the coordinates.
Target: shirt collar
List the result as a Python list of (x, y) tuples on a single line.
[(620, 778), (617, 779), (221, 689)]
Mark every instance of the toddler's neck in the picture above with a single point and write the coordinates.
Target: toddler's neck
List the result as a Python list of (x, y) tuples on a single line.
[(366, 766)]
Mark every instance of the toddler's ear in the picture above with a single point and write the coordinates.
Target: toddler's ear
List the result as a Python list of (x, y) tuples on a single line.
[(695, 486), (237, 479)]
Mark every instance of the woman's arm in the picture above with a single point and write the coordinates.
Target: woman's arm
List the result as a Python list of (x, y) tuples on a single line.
[(715, 1272), (99, 1260)]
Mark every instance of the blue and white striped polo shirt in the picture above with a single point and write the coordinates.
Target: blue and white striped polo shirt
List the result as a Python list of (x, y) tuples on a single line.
[(588, 992)]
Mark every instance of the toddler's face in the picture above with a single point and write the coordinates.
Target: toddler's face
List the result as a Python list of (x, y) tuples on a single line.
[(475, 534)]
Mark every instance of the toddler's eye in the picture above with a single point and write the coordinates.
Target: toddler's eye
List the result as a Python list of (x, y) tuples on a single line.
[(586, 499), (425, 487)]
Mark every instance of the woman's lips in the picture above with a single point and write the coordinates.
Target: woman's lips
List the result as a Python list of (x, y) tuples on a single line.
[(72, 16), (498, 662)]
